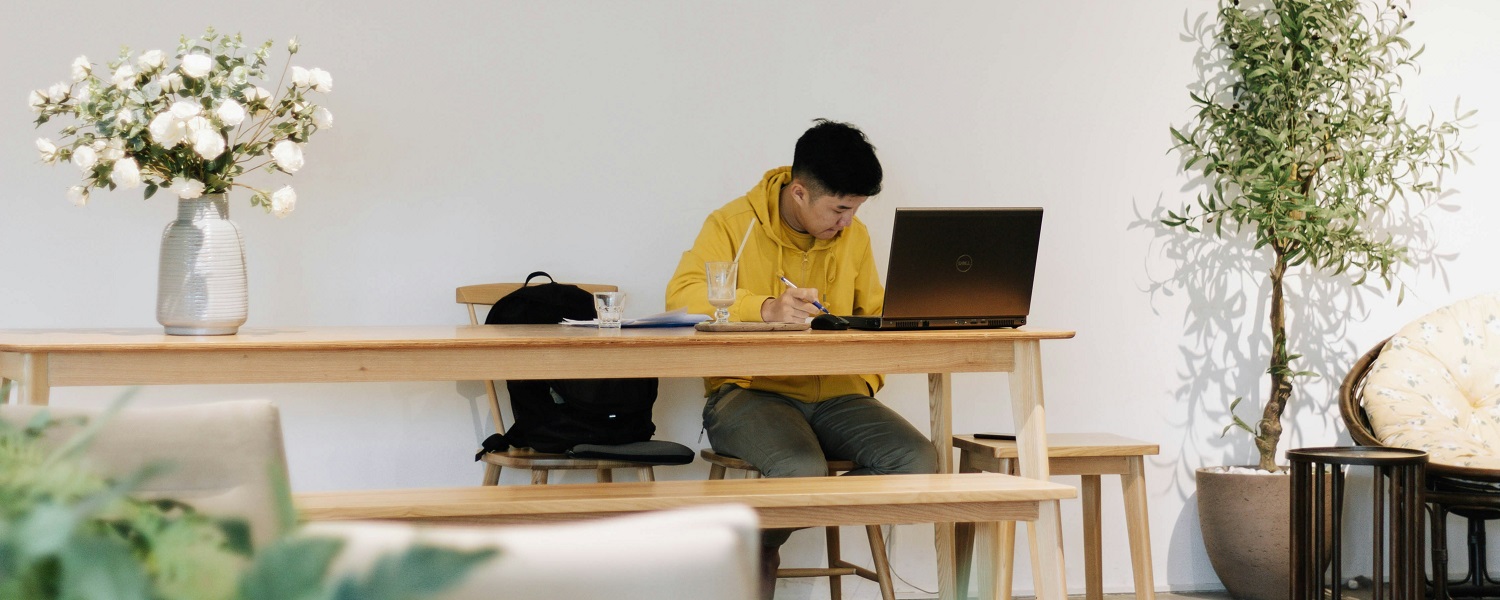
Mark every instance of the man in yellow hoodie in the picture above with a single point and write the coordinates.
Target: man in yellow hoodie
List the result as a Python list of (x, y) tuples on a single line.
[(798, 223)]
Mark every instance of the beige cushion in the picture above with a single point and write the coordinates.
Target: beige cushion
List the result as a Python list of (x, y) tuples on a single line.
[(223, 454), (1436, 385), (703, 553)]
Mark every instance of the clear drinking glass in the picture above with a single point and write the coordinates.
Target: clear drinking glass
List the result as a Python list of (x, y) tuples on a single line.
[(723, 280), (610, 306)]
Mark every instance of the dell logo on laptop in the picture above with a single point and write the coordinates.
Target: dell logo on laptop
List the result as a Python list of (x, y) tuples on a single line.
[(965, 262)]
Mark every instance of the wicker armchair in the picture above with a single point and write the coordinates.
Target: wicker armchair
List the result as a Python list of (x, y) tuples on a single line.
[(1468, 492)]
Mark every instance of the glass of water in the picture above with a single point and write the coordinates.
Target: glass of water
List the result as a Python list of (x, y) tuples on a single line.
[(610, 306), (723, 280)]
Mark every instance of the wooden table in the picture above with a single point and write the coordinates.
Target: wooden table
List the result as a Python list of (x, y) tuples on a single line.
[(38, 360)]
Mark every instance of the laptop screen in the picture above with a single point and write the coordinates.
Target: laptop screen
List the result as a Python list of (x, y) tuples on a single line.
[(962, 262)]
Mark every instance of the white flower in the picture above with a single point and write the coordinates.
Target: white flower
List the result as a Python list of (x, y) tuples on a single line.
[(253, 93), (288, 155), (186, 189), (167, 130), (81, 68), (79, 195), (207, 143), (124, 77), (171, 82), (184, 109), (127, 174), (292, 46), (321, 80), (197, 66), (300, 77), (85, 157), (85, 94), (48, 150), (152, 90), (197, 124), (230, 113), (323, 118), (37, 100), (111, 149), (151, 60), (58, 92), (283, 201)]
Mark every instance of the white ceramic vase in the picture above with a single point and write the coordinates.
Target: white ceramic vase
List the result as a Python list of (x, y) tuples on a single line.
[(201, 287)]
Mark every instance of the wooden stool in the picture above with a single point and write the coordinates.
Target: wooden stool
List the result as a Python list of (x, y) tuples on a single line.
[(1089, 455), (837, 567)]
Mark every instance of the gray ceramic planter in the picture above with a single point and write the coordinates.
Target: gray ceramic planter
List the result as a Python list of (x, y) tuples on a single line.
[(1245, 519)]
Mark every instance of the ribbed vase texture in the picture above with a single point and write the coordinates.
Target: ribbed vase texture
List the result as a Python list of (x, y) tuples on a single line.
[(201, 286)]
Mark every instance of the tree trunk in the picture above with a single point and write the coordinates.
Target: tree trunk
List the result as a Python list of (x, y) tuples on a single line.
[(1268, 431)]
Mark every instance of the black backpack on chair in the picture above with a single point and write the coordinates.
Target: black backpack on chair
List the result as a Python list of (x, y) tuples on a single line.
[(554, 415)]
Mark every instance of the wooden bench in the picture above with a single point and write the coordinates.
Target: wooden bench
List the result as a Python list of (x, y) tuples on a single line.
[(798, 502)]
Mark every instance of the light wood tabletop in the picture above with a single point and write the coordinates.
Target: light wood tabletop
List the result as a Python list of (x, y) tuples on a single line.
[(40, 359)]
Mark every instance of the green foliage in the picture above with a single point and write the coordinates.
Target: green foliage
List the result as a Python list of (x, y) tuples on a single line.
[(66, 533), (1301, 139)]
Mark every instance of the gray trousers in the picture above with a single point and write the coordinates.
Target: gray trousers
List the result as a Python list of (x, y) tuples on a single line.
[(784, 437)]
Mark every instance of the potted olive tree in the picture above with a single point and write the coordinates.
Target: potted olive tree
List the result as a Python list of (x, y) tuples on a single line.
[(1301, 146)]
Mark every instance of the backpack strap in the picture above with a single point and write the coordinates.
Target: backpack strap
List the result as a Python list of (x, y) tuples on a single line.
[(536, 274)]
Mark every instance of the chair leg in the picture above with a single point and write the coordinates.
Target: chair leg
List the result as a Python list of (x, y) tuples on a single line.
[(539, 476), (716, 471), (1005, 556), (882, 562), (1137, 527), (604, 475), (491, 474), (835, 582), (645, 474), (1093, 558)]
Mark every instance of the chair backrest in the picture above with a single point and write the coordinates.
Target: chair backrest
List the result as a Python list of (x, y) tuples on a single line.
[(486, 294), (704, 553), (227, 457), (1350, 393)]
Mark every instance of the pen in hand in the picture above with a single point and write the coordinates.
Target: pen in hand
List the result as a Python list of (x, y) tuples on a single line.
[(791, 285)]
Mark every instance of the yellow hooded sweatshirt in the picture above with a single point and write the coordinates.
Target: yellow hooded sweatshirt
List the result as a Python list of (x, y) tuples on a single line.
[(842, 269)]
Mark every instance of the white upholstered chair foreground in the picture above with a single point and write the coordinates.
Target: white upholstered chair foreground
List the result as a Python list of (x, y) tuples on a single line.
[(224, 455), (703, 553)]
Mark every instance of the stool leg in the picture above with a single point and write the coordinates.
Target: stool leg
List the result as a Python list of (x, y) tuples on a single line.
[(491, 474), (604, 475), (539, 477), (963, 536), (882, 562), (835, 582), (1005, 547), (716, 471), (646, 474), (1137, 527), (1093, 559)]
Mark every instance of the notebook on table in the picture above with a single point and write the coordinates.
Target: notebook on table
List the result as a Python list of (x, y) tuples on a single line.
[(959, 267)]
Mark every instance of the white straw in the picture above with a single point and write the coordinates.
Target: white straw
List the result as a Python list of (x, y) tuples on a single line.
[(737, 253)]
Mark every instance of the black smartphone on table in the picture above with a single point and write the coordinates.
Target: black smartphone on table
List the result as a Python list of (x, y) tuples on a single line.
[(996, 436)]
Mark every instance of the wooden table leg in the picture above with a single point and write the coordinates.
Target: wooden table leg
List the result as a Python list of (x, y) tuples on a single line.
[(1029, 412), (31, 386), (940, 407)]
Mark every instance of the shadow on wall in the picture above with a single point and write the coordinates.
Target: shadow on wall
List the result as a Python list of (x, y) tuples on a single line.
[(1227, 346)]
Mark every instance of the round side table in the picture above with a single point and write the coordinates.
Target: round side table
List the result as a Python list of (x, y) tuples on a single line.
[(1397, 523)]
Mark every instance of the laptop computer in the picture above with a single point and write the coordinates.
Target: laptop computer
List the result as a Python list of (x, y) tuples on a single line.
[(959, 267)]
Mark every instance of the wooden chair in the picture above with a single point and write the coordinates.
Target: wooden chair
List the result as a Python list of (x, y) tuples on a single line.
[(539, 463), (837, 567), (1089, 455)]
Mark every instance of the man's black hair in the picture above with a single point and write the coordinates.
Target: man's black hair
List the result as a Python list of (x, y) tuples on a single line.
[(837, 158)]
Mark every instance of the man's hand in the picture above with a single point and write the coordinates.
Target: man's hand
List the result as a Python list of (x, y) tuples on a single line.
[(793, 306)]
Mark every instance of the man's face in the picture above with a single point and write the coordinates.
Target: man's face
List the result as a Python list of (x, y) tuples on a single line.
[(825, 215)]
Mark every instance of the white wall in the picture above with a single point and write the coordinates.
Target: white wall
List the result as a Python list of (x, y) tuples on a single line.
[(476, 142)]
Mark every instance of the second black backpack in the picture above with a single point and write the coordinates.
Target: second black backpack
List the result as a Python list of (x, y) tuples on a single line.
[(553, 415)]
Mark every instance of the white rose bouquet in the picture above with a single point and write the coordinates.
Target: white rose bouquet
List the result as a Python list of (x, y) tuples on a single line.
[(192, 127)]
